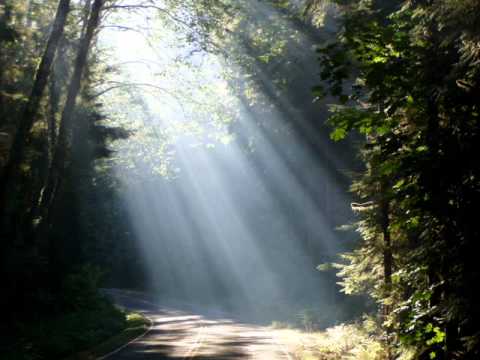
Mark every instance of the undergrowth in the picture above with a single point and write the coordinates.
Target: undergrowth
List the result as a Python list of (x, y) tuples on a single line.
[(76, 317)]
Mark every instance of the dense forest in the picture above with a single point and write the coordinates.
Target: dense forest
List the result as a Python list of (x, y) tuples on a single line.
[(305, 163)]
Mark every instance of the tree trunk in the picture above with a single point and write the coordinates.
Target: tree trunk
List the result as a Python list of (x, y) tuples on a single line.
[(54, 100), (387, 244), (4, 21), (9, 178), (58, 166), (86, 12), (384, 207)]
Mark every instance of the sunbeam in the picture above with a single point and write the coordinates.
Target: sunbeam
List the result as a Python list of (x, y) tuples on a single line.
[(253, 194), (229, 179), (253, 201)]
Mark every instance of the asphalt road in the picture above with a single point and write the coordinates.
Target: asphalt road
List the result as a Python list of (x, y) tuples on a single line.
[(193, 333)]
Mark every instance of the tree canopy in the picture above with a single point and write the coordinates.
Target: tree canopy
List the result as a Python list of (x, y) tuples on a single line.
[(406, 75)]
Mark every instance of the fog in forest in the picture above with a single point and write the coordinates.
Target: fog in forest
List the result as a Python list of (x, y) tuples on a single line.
[(234, 191), (233, 179)]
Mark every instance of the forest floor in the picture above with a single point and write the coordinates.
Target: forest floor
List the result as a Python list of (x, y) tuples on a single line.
[(137, 325), (193, 334), (99, 328)]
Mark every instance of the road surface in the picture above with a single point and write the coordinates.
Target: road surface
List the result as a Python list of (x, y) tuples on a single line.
[(194, 334)]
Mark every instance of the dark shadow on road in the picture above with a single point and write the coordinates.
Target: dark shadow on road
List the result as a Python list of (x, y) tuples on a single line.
[(189, 333)]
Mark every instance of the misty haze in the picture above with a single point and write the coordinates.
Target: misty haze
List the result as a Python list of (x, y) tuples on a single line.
[(251, 179)]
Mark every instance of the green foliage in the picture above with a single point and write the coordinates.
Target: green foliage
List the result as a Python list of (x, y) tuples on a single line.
[(80, 289), (55, 336), (135, 325), (308, 319), (407, 76), (52, 298), (344, 341)]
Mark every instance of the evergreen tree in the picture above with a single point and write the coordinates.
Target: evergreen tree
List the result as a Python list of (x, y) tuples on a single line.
[(415, 98)]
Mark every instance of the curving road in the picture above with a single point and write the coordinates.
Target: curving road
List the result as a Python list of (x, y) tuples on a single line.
[(194, 334)]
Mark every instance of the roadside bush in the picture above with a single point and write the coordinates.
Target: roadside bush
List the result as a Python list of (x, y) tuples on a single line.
[(82, 318), (80, 289)]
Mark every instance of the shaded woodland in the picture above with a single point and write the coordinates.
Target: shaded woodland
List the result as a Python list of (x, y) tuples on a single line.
[(356, 174)]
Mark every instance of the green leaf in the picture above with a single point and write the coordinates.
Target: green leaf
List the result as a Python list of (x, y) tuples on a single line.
[(264, 58), (438, 338), (399, 184), (318, 91), (338, 134), (325, 267)]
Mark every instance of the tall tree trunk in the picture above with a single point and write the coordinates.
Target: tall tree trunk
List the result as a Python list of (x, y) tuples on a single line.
[(58, 166), (4, 22), (387, 244), (53, 103), (86, 12), (384, 220), (9, 178)]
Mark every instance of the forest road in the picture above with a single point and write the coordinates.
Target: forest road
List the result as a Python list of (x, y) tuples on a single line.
[(185, 332)]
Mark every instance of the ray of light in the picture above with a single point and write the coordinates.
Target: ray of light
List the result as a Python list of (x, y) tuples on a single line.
[(237, 228)]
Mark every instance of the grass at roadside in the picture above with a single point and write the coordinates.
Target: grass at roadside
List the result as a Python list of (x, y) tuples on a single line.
[(88, 333), (358, 341), (336, 343), (136, 325)]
